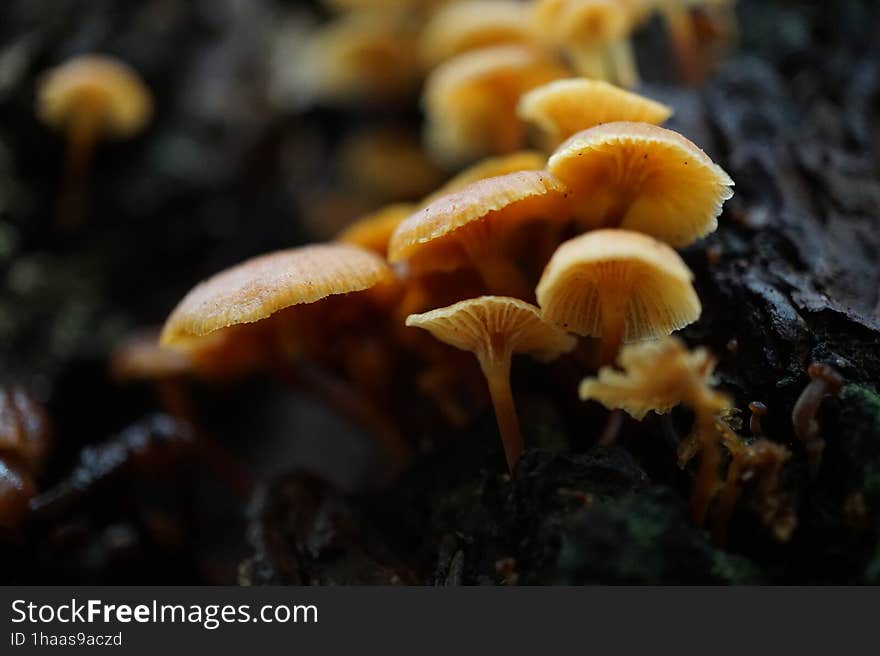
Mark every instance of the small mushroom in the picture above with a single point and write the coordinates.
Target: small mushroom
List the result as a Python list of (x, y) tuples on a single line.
[(493, 328), (491, 167), (619, 286), (470, 101), (642, 177), (824, 381), (469, 228), (88, 98), (758, 410), (595, 34), (17, 488), (374, 230), (25, 428), (467, 25), (564, 107)]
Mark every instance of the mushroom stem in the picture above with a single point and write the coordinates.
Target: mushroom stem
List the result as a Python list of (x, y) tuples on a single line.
[(588, 62), (707, 475), (82, 133), (684, 43), (623, 63), (614, 299), (500, 275), (496, 368), (824, 380)]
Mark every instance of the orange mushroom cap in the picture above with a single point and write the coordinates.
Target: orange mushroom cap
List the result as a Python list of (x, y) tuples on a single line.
[(656, 282), (100, 84), (431, 238), (564, 107), (262, 286), (491, 167), (471, 24), (374, 230), (470, 100), (642, 177)]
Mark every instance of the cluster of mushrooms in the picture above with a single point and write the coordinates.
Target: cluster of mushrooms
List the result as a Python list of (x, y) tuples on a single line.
[(474, 58)]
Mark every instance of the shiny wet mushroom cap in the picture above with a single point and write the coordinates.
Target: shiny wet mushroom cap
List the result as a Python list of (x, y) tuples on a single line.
[(619, 286), (493, 328), (491, 167), (564, 107), (264, 285), (642, 177)]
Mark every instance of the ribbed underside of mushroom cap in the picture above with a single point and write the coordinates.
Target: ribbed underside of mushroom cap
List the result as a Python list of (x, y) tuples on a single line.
[(374, 230), (257, 288), (504, 201), (565, 107), (661, 297), (470, 24), (478, 323), (491, 167), (103, 83), (470, 100), (642, 177), (656, 376)]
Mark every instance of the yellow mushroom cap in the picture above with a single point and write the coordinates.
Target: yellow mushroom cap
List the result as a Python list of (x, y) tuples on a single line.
[(374, 230), (470, 100), (481, 324), (564, 107), (661, 297), (642, 177), (361, 56), (491, 167), (470, 24), (580, 23), (656, 376), (502, 202), (257, 288), (96, 83)]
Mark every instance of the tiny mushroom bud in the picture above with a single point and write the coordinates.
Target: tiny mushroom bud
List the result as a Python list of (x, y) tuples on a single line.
[(90, 97), (470, 100), (472, 24), (758, 410), (619, 286), (493, 328), (642, 177), (824, 381), (469, 228), (564, 107)]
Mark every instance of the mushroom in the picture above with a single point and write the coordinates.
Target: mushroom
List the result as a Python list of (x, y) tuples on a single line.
[(467, 25), (619, 286), (90, 97), (363, 56), (314, 302), (564, 107), (491, 167), (493, 328), (25, 428), (470, 100), (758, 410), (17, 488), (374, 230), (642, 177), (824, 381), (595, 34), (469, 228), (656, 377)]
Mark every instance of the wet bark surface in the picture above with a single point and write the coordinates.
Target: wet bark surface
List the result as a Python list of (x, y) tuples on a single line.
[(791, 277)]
